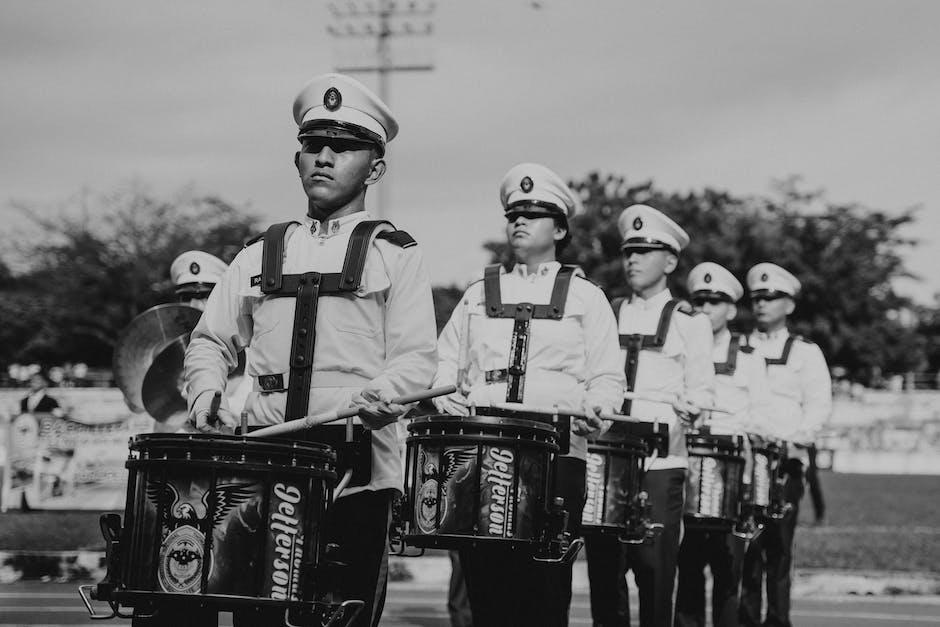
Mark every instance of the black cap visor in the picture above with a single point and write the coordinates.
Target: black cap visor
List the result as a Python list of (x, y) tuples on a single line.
[(333, 129), (534, 209), (711, 295), (643, 244), (769, 294)]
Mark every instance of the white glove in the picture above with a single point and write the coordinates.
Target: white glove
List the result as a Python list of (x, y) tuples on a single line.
[(453, 404), (224, 421), (376, 409)]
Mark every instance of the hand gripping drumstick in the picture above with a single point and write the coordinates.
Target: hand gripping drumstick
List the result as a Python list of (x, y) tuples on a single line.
[(669, 399), (313, 421)]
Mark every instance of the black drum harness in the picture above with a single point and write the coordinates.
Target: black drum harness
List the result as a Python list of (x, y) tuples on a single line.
[(784, 356), (636, 342), (730, 365), (308, 288), (523, 314)]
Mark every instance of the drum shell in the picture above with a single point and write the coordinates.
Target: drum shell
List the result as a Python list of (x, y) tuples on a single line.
[(226, 518), (614, 475), (767, 457), (715, 480), (477, 479)]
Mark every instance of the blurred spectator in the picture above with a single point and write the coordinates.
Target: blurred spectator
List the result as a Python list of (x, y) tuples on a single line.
[(38, 401)]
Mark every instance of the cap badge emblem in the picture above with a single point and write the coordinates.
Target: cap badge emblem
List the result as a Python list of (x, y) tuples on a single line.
[(637, 223), (526, 184), (764, 277), (194, 268), (708, 278), (332, 99)]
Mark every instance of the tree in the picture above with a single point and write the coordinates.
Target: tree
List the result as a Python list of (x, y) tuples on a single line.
[(98, 261), (846, 256)]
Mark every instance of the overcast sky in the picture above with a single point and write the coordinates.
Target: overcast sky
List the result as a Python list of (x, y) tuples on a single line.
[(725, 94)]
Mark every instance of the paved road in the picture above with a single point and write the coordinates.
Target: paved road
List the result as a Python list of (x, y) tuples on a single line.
[(53, 605)]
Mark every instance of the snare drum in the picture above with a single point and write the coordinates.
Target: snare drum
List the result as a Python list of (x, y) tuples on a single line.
[(766, 476), (483, 478), (223, 521), (714, 483), (614, 473)]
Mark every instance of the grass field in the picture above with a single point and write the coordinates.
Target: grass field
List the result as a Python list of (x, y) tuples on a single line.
[(873, 522)]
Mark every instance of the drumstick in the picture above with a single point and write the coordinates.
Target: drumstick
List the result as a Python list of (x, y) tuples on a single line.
[(313, 421), (669, 399), (555, 410)]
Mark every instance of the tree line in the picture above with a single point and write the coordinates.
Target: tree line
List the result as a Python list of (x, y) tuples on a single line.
[(99, 260)]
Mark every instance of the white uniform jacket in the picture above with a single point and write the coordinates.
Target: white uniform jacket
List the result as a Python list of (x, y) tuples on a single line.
[(682, 366), (572, 363), (379, 337), (802, 387), (746, 393)]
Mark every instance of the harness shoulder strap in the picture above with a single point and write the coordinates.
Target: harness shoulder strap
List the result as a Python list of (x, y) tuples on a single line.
[(356, 253), (662, 329), (272, 257), (556, 306), (491, 293), (730, 364)]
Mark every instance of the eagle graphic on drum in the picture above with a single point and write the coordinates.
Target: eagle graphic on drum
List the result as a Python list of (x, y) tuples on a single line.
[(182, 558), (437, 482)]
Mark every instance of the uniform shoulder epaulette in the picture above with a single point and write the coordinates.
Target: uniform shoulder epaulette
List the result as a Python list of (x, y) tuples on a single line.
[(591, 281), (684, 306), (254, 240), (400, 238), (800, 338), (747, 349)]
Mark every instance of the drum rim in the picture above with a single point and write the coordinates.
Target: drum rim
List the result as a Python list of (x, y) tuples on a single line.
[(484, 421), (233, 442)]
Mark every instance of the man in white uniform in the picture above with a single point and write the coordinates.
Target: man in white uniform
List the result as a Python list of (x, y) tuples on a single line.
[(802, 398), (741, 388), (667, 355), (332, 311)]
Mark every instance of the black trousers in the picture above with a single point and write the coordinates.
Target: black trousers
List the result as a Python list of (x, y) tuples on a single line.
[(458, 601), (653, 564), (359, 525), (508, 588), (771, 554), (723, 554)]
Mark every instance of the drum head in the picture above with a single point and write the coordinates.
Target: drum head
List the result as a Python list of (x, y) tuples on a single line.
[(199, 446), (468, 425)]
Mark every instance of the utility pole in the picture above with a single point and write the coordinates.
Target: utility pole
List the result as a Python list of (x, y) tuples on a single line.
[(383, 21)]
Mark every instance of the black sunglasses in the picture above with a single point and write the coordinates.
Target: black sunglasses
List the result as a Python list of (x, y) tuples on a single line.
[(767, 297), (313, 145), (699, 301)]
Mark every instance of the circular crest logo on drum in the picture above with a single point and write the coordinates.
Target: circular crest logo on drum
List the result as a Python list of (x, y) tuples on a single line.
[(526, 184), (194, 268), (637, 223), (181, 560), (427, 506), (708, 278), (332, 99)]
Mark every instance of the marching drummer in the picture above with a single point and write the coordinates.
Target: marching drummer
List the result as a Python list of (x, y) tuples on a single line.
[(567, 357), (322, 334), (802, 398), (667, 357), (741, 388), (194, 274)]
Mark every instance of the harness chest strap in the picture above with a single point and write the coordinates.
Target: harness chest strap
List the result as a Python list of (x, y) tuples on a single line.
[(308, 288), (636, 342), (522, 314), (784, 356), (730, 364)]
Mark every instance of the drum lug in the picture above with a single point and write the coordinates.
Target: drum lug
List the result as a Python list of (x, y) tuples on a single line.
[(645, 531), (396, 530), (343, 616), (556, 546), (88, 592)]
